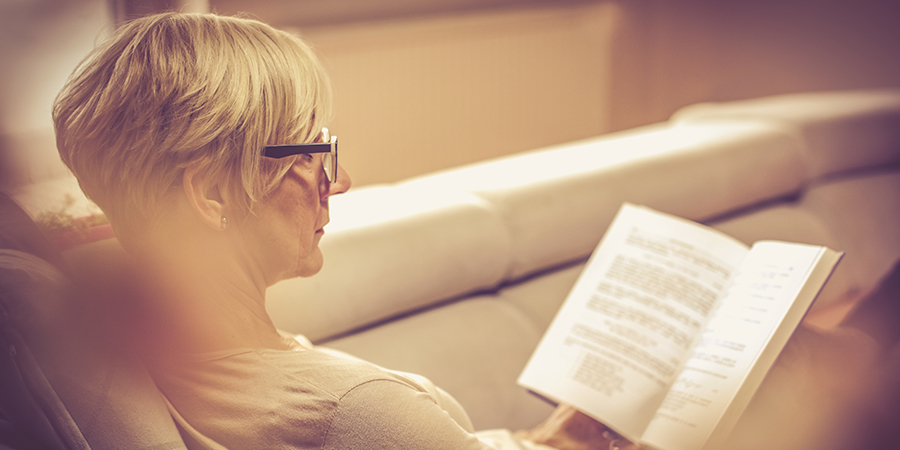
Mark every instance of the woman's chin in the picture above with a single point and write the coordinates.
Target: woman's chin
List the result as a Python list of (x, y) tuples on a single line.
[(310, 265)]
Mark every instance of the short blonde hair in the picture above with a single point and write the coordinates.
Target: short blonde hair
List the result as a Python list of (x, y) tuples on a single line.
[(172, 91)]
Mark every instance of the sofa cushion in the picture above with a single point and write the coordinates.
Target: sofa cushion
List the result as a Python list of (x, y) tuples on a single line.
[(391, 250), (863, 209), (557, 202), (789, 222), (843, 130), (474, 349), (856, 214), (540, 296)]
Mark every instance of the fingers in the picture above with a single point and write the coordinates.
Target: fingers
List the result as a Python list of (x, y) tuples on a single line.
[(569, 429)]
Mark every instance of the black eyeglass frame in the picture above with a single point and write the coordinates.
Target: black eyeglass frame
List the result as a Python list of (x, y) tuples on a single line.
[(329, 146)]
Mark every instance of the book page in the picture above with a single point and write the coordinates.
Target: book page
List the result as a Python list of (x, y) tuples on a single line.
[(631, 321), (747, 332)]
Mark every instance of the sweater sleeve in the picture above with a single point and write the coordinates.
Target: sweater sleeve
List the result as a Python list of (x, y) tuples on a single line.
[(385, 414)]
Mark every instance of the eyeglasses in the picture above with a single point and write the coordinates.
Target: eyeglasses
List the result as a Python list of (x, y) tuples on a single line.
[(328, 146)]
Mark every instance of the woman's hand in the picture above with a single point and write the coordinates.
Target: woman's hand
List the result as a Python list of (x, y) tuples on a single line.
[(570, 429)]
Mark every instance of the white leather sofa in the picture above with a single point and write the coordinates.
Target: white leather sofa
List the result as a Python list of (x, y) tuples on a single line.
[(455, 275)]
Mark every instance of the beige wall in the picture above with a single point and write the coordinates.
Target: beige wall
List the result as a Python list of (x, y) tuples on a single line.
[(467, 87), (413, 95), (423, 94), (466, 82), (41, 42), (670, 54)]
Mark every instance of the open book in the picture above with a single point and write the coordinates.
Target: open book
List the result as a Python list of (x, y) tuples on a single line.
[(672, 326)]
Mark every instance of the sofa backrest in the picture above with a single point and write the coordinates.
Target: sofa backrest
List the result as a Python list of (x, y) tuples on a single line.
[(556, 203), (425, 240), (64, 384), (842, 131)]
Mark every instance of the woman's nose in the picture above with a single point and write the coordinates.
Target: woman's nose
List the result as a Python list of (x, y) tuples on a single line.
[(342, 183)]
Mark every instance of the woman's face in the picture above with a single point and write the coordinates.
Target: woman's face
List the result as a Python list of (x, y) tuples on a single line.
[(285, 232)]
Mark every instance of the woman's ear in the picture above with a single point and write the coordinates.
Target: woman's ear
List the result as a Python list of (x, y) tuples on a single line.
[(204, 197)]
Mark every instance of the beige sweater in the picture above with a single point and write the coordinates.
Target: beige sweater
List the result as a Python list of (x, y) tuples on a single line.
[(313, 399)]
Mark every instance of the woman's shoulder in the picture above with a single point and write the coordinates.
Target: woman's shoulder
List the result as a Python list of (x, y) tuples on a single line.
[(330, 372), (282, 396), (390, 413), (375, 407), (311, 372)]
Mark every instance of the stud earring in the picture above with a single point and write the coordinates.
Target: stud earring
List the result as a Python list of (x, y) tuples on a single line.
[(224, 223)]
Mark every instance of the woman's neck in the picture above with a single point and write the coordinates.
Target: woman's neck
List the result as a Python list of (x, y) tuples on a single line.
[(211, 299)]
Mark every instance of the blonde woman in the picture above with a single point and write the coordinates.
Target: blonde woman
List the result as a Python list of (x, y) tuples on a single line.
[(203, 139)]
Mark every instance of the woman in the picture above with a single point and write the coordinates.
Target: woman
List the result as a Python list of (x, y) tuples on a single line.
[(173, 128)]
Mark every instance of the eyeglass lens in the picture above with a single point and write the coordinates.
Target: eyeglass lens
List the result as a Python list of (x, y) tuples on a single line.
[(329, 160)]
